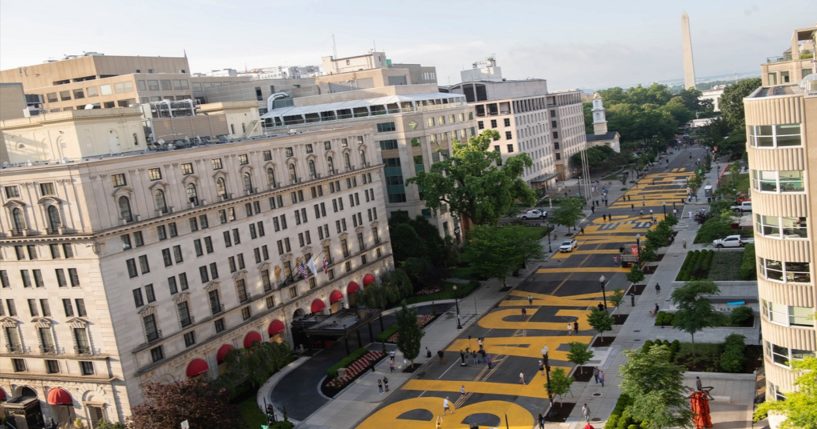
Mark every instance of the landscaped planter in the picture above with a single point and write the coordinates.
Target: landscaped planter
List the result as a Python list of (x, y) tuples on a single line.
[(422, 321), (331, 387)]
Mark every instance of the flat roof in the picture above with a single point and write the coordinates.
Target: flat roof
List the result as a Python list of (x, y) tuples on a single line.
[(366, 102)]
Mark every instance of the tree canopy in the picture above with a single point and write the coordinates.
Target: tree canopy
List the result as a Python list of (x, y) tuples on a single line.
[(800, 406), (600, 320), (475, 182), (655, 385), (497, 251), (579, 353), (731, 102), (198, 402), (410, 334), (560, 383), (568, 213), (695, 312)]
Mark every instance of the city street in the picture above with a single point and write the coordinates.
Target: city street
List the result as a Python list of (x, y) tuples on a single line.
[(561, 290)]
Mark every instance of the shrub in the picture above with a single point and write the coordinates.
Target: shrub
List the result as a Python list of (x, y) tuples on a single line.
[(742, 316), (732, 359), (647, 345), (664, 318), (713, 228), (675, 347), (386, 333), (747, 264), (332, 372), (634, 427)]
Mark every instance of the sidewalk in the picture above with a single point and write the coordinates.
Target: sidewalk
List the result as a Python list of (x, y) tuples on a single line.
[(360, 398), (640, 327)]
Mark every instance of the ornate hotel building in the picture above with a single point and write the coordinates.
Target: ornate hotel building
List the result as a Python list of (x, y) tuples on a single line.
[(139, 265), (781, 125)]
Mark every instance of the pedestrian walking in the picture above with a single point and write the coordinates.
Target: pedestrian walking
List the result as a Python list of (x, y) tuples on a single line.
[(586, 412), (521, 378), (462, 358), (391, 366), (593, 209), (601, 378), (474, 358), (482, 354), (657, 289), (632, 299), (576, 326), (582, 229), (524, 311), (391, 355), (446, 406), (462, 390), (542, 366), (385, 383), (641, 213), (699, 385), (380, 385), (596, 375), (440, 355), (530, 302), (569, 328), (632, 207), (541, 421)]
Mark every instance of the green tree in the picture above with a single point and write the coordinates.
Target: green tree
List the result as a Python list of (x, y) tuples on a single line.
[(104, 424), (497, 251), (731, 102), (420, 271), (600, 320), (579, 353), (800, 406), (407, 243), (198, 402), (695, 312), (568, 213), (635, 275), (560, 384), (252, 366), (410, 334), (473, 184), (655, 385)]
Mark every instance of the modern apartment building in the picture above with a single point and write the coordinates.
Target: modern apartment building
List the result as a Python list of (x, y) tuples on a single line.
[(103, 81), (143, 265), (781, 125), (413, 127), (794, 64), (567, 128), (519, 111)]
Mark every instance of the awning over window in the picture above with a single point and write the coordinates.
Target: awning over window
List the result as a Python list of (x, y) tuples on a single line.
[(368, 279), (195, 368), (352, 288), (223, 351), (318, 306), (335, 296), (275, 327), (2, 395), (251, 338), (59, 396)]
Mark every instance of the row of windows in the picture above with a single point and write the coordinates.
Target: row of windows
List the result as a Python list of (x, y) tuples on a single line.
[(35, 277), (58, 251), (53, 366), (42, 307), (795, 272), (781, 226), (784, 355), (772, 136), (778, 181), (788, 315)]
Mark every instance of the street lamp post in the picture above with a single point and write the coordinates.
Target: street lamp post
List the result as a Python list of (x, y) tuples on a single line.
[(550, 247), (546, 363), (602, 281), (457, 306), (638, 247)]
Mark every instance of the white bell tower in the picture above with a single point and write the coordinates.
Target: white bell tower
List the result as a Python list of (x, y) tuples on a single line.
[(599, 117)]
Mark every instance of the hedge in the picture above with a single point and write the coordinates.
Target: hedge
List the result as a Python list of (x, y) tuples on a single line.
[(696, 265), (664, 318), (747, 264), (388, 332), (733, 356), (332, 372)]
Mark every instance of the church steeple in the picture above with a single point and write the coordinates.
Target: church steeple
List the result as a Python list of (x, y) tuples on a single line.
[(599, 117)]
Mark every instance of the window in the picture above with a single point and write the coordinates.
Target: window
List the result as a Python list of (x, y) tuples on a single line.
[(506, 122), (219, 325), (781, 227), (67, 308), (149, 293), (192, 194), (778, 181), (510, 148), (189, 338), (187, 168), (87, 367), (215, 302), (80, 303), (47, 189), (784, 355), (388, 144), (770, 136), (796, 272), (119, 180), (17, 220), (154, 174), (152, 332), (159, 201), (216, 163), (46, 309), (82, 345), (4, 280), (52, 366), (184, 314), (787, 315), (157, 354), (385, 127), (138, 300), (124, 209), (143, 264), (26, 278), (221, 188), (19, 365), (68, 251), (246, 313), (72, 274), (508, 135)]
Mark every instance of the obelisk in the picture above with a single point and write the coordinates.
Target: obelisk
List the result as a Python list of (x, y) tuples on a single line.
[(689, 64)]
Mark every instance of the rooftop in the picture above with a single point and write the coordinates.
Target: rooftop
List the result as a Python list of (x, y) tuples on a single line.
[(610, 135)]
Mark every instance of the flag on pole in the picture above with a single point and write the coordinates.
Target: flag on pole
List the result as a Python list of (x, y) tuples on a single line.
[(302, 269), (312, 265), (277, 273), (325, 263)]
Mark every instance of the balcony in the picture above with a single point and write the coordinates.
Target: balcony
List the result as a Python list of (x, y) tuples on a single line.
[(48, 349), (14, 348)]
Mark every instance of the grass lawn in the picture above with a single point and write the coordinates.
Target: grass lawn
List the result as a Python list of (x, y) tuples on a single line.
[(465, 273), (250, 414), (725, 266)]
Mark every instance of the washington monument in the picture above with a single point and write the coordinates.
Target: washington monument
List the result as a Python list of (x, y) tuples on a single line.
[(686, 42)]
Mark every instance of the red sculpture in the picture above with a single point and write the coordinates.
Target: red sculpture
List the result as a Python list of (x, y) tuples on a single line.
[(699, 402)]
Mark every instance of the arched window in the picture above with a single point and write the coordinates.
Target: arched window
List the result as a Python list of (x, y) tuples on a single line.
[(363, 156), (271, 177), (192, 194), (331, 163), (53, 218), (293, 176), (347, 161), (221, 188), (247, 183), (159, 201), (17, 219), (312, 173), (124, 209)]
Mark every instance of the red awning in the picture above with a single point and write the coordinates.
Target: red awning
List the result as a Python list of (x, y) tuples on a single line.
[(335, 296), (197, 367), (275, 327), (2, 395), (368, 279), (352, 288), (59, 396), (223, 351), (318, 306), (251, 338)]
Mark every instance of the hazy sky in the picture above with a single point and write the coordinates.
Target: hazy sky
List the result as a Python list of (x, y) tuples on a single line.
[(585, 43)]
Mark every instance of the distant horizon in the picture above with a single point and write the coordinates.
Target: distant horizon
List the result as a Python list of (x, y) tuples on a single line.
[(612, 45)]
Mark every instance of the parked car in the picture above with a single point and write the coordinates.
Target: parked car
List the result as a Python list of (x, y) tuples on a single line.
[(743, 207), (568, 245), (731, 241), (533, 214)]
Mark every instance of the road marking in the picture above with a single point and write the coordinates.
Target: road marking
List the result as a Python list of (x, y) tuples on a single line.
[(583, 270)]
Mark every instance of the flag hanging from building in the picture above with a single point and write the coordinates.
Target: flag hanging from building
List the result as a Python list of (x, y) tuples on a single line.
[(312, 265), (325, 263), (277, 273), (302, 269)]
